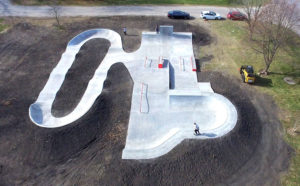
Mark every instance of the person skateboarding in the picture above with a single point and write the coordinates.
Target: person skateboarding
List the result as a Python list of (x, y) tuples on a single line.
[(125, 31), (196, 129)]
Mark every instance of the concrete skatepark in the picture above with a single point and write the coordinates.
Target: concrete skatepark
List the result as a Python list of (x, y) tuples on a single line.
[(166, 100), (89, 150)]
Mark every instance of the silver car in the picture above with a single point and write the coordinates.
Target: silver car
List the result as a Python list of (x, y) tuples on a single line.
[(210, 15)]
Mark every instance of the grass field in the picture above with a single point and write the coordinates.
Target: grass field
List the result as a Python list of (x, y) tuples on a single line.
[(3, 26), (232, 49), (126, 2)]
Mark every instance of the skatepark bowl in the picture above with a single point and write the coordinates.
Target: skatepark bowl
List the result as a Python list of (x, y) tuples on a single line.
[(166, 100)]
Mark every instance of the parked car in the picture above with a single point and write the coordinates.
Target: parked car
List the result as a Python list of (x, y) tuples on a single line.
[(210, 15), (177, 14), (235, 15)]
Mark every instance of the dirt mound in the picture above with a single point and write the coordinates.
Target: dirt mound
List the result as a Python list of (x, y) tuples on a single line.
[(81, 72), (255, 150), (88, 151)]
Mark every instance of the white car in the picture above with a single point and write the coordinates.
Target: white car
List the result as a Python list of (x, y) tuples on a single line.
[(210, 15)]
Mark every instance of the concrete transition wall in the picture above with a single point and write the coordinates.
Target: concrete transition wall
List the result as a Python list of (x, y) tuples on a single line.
[(166, 30), (166, 100)]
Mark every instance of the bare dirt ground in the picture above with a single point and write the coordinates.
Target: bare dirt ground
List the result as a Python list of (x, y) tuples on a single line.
[(88, 151)]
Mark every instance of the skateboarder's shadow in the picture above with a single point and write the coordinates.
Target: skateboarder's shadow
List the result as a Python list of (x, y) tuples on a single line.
[(211, 135)]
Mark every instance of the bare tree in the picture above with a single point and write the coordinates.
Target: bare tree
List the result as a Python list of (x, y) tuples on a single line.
[(273, 28), (252, 9), (55, 11)]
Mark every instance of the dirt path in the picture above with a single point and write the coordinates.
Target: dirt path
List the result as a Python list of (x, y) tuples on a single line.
[(89, 150)]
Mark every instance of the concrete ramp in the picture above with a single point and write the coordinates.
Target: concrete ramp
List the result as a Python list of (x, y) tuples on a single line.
[(159, 133)]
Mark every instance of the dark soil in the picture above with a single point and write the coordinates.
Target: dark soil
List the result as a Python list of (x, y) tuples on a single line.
[(88, 151), (81, 72)]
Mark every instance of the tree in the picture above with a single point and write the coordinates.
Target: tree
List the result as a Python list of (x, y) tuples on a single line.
[(272, 29), (55, 11), (252, 9)]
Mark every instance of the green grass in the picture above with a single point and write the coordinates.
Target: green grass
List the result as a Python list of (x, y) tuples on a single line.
[(127, 2), (232, 49), (3, 26)]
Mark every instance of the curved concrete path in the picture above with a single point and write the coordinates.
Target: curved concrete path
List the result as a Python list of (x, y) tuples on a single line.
[(40, 111), (166, 99)]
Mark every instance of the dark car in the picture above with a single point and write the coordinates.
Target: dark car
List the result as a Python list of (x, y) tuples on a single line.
[(177, 14), (236, 16)]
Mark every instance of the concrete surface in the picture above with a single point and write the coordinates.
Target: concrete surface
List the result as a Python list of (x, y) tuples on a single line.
[(166, 101)]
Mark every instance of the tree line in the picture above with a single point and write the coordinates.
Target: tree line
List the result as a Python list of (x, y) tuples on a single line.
[(269, 25)]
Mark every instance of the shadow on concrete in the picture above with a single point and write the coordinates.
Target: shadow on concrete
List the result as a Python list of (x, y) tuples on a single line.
[(211, 135), (165, 63), (172, 77)]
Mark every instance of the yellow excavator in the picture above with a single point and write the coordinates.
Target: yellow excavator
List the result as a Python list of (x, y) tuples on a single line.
[(247, 74)]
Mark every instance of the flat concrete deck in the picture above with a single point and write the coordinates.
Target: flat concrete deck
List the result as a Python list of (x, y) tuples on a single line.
[(166, 100)]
